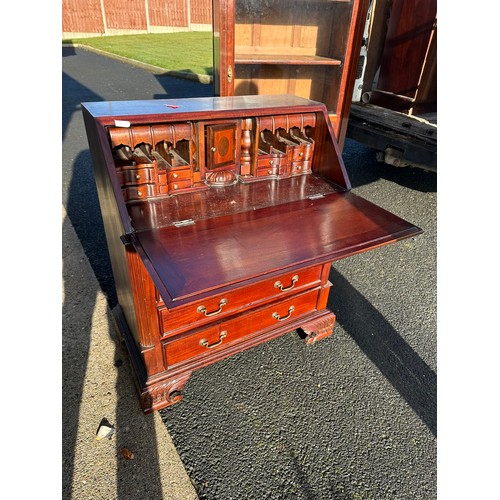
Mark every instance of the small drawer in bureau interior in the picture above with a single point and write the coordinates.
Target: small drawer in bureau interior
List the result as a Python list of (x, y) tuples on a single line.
[(182, 184), (138, 192), (263, 172), (235, 329), (300, 167), (268, 161), (217, 306), (178, 174), (134, 176), (298, 152)]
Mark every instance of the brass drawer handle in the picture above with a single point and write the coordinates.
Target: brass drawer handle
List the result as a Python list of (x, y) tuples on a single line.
[(279, 285), (204, 342), (290, 311), (203, 309)]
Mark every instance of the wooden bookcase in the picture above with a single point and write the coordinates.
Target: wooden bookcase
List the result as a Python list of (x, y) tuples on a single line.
[(305, 48)]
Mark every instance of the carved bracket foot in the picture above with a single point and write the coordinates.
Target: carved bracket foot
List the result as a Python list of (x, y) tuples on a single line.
[(319, 328), (163, 394)]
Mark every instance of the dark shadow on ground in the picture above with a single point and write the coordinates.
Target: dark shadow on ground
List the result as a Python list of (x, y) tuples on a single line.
[(363, 168), (68, 50), (82, 208), (387, 350)]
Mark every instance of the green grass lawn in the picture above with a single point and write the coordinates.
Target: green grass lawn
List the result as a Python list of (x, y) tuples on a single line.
[(185, 51)]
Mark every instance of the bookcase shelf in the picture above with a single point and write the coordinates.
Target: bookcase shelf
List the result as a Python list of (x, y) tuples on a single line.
[(286, 59), (307, 48)]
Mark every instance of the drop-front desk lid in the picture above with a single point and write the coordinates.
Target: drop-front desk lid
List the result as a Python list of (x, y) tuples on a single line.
[(228, 250)]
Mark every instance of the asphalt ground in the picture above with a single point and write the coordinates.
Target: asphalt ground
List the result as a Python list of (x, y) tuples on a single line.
[(351, 417)]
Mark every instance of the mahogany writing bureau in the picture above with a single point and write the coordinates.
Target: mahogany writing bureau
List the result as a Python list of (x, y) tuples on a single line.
[(222, 218)]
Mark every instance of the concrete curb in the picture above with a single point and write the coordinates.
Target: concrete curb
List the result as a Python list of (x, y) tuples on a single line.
[(156, 70), (97, 384)]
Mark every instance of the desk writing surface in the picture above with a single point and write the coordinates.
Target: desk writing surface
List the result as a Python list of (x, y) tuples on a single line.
[(229, 249), (229, 200)]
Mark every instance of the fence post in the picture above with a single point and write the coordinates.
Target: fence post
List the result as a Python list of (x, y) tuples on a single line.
[(104, 22), (146, 7), (188, 12)]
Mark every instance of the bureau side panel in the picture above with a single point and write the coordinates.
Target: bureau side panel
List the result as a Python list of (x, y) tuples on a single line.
[(112, 220), (327, 160)]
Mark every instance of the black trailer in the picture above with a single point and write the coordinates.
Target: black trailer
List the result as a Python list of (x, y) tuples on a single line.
[(394, 105)]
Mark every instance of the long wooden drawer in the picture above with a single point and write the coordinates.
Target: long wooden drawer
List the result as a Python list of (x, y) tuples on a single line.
[(218, 306), (205, 341)]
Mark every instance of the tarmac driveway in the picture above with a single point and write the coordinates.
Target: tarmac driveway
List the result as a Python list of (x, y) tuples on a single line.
[(351, 417)]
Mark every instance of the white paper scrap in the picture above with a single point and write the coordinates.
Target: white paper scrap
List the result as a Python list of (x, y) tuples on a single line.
[(122, 123)]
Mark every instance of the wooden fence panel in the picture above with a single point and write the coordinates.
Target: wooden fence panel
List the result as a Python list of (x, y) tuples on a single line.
[(82, 16), (201, 11), (110, 17), (172, 13), (125, 14)]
